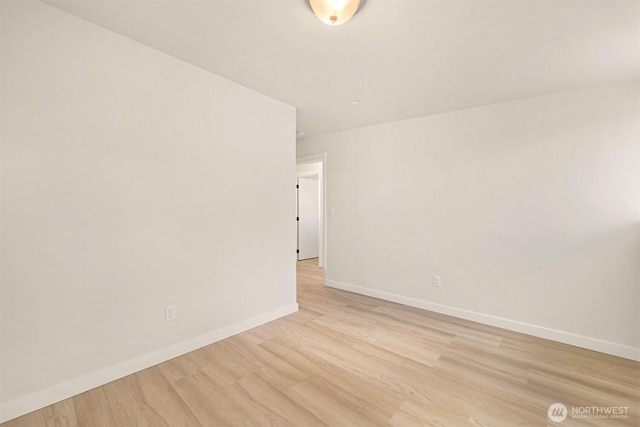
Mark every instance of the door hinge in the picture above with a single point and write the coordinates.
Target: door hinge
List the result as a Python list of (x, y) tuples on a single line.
[(297, 251), (297, 186), (297, 218)]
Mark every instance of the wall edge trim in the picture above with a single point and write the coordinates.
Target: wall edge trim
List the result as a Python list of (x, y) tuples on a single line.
[(589, 343), (23, 405)]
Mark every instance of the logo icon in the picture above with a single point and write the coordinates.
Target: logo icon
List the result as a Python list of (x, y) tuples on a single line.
[(557, 412)]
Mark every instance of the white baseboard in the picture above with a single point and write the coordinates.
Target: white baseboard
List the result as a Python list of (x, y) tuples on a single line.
[(18, 407), (595, 344)]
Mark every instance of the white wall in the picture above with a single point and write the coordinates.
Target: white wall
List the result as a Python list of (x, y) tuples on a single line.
[(130, 181), (309, 169), (529, 210)]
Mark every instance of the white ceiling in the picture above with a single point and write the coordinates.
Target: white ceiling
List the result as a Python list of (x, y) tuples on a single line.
[(399, 58)]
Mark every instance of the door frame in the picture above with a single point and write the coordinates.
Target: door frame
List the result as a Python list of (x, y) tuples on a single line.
[(320, 158)]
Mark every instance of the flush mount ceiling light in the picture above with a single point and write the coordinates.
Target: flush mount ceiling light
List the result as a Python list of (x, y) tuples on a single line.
[(335, 12)]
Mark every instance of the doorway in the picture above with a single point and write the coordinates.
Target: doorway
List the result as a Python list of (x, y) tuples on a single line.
[(311, 197), (308, 218)]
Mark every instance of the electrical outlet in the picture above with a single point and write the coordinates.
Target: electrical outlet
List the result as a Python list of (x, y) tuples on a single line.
[(437, 281), (169, 313)]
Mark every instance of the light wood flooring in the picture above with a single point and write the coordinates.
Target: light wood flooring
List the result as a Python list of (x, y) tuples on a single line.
[(350, 360)]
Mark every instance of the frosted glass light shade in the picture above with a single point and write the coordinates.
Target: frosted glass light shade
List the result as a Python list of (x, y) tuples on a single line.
[(335, 12)]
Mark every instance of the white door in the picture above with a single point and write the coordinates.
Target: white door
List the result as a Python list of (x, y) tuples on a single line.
[(308, 219)]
